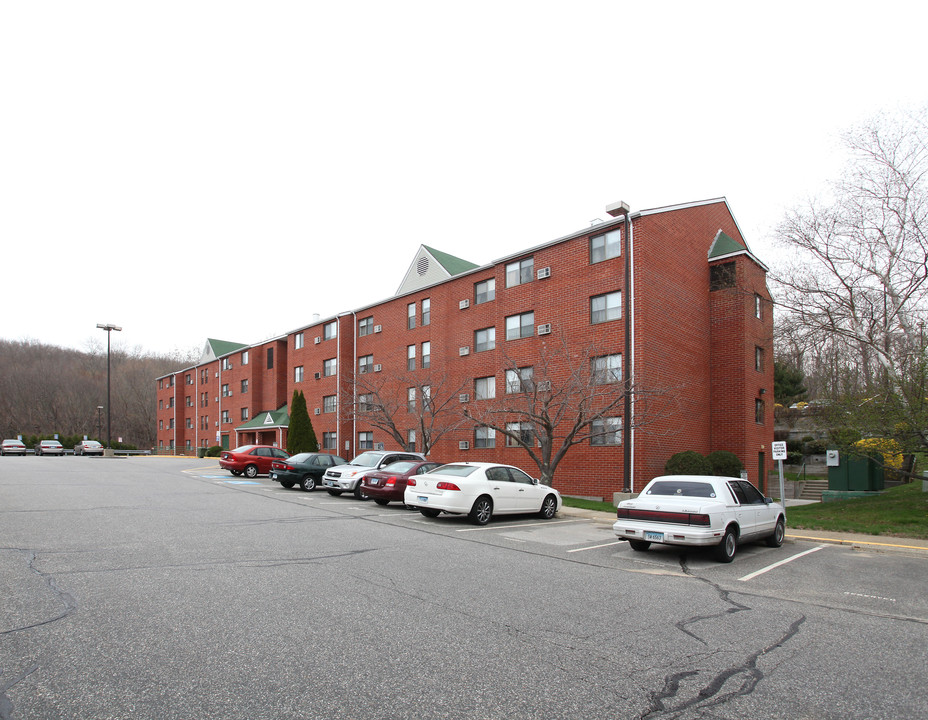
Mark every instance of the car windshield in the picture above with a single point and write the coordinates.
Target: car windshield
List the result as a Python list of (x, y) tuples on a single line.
[(684, 488), (455, 470), (400, 467), (368, 459)]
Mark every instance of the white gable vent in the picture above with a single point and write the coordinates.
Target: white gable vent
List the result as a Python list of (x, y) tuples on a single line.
[(543, 273), (544, 329)]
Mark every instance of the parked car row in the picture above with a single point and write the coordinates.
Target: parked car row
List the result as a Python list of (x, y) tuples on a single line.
[(476, 489), (50, 447)]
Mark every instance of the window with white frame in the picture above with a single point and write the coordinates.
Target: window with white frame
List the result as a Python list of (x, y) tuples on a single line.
[(606, 431), (758, 307), (329, 403), (411, 399), (366, 364), (188, 401), (225, 417), (330, 330), (484, 291), (485, 388), (484, 437), (521, 380), (365, 326), (298, 341), (520, 326), (524, 430), (245, 357), (758, 359), (244, 413), (520, 272), (365, 402), (485, 339), (329, 441), (604, 308), (426, 311), (410, 357), (365, 440), (606, 369), (329, 367), (226, 364), (427, 398), (426, 354), (244, 386), (410, 316), (605, 246), (225, 391), (298, 374), (410, 441)]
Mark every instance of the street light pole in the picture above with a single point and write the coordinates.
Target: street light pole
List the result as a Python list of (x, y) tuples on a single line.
[(109, 327)]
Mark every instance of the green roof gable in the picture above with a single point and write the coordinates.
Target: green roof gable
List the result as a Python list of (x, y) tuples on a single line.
[(724, 245), (223, 347), (268, 419), (453, 265)]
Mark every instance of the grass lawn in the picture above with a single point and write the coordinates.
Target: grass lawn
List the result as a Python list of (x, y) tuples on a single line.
[(899, 512)]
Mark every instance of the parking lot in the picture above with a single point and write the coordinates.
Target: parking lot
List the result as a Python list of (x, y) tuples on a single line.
[(157, 587)]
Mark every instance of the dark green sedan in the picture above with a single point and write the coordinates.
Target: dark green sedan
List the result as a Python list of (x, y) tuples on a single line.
[(303, 469)]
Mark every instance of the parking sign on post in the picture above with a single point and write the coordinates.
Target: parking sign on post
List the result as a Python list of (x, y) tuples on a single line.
[(778, 450)]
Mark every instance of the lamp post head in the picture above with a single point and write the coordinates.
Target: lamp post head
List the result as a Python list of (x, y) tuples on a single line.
[(108, 327)]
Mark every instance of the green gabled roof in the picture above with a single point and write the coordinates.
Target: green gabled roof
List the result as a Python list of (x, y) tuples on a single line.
[(223, 347), (268, 419), (453, 265), (724, 245)]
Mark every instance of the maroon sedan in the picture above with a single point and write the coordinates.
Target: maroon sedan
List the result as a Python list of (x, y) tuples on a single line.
[(251, 460), (390, 482)]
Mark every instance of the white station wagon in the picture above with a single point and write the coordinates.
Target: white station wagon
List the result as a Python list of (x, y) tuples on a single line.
[(700, 510)]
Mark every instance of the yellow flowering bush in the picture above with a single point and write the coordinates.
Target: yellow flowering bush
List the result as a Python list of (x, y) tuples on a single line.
[(887, 447)]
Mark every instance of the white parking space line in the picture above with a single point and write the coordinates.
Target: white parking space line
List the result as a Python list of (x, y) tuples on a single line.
[(594, 547), (753, 575), (545, 523)]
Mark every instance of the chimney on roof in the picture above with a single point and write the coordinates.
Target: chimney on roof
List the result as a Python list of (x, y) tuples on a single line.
[(618, 208)]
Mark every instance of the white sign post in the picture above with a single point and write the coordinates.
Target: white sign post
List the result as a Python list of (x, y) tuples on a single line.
[(778, 449)]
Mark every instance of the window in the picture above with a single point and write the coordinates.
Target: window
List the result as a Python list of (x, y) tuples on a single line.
[(366, 364), (427, 398), (365, 440), (605, 246), (189, 379), (524, 430), (270, 358), (410, 316), (759, 359), (484, 437), (759, 411), (189, 424), (171, 401), (605, 307), (225, 417), (226, 365), (329, 367), (225, 391), (426, 311), (245, 357), (485, 388), (485, 291), (606, 431), (365, 402), (520, 380), (722, 276), (244, 413), (244, 386), (171, 381), (758, 307), (606, 369), (426, 354), (330, 330), (298, 341), (188, 401), (520, 326), (410, 357), (411, 440), (520, 272), (298, 374), (329, 441), (485, 339), (329, 403), (365, 326), (411, 399)]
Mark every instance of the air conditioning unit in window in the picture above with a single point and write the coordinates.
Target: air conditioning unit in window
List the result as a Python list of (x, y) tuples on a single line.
[(378, 367), (317, 375), (317, 340), (543, 273), (544, 329), (464, 304), (464, 445), (464, 350), (378, 328), (317, 411), (543, 386), (464, 397)]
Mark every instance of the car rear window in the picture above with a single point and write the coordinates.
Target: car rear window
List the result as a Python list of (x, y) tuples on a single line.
[(684, 488), (455, 470), (400, 466)]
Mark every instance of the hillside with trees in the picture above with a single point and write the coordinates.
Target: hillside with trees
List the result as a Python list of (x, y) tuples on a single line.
[(45, 389)]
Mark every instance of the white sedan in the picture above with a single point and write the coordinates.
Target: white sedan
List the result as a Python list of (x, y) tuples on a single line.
[(699, 510), (480, 490)]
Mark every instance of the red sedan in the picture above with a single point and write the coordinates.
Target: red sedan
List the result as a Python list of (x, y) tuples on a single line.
[(251, 460), (390, 483)]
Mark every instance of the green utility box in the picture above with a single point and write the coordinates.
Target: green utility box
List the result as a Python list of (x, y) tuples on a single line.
[(856, 474)]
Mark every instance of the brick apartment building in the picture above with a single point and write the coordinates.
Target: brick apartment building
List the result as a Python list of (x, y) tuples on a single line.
[(667, 302)]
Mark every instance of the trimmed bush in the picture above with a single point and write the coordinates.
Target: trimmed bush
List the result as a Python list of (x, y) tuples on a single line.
[(725, 463), (688, 462), (214, 451)]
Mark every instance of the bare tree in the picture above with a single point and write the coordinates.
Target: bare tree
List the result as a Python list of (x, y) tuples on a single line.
[(428, 401), (856, 286)]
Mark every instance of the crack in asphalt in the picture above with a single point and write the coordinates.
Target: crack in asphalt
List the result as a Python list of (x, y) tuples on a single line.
[(70, 604), (6, 705)]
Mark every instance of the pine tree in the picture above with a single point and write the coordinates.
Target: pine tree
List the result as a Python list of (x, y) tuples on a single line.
[(300, 435)]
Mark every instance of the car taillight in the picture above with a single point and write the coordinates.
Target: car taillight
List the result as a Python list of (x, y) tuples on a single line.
[(447, 486), (391, 481), (411, 482)]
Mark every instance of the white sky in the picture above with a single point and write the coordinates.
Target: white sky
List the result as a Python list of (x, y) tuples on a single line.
[(192, 169)]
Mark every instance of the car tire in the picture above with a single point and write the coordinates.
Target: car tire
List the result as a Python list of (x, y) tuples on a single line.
[(482, 511), (381, 501), (288, 485), (548, 507), (779, 532), (251, 471), (430, 512), (335, 493), (359, 493), (639, 545), (308, 483), (725, 550)]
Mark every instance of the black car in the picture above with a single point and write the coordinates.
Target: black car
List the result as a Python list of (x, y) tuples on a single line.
[(303, 469)]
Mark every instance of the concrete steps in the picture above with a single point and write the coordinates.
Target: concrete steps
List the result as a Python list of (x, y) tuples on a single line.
[(813, 489)]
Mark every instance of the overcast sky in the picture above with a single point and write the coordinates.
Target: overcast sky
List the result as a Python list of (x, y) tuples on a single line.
[(227, 169)]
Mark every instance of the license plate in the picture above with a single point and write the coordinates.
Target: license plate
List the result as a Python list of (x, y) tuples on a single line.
[(654, 537), (423, 498)]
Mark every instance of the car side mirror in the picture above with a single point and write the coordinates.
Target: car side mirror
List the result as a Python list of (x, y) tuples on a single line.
[(768, 500), (535, 481)]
